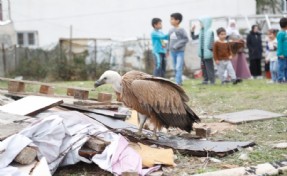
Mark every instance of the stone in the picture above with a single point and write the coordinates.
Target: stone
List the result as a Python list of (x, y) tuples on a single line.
[(26, 156)]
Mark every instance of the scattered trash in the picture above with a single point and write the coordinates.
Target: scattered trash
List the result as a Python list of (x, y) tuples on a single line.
[(280, 145), (244, 157), (247, 116)]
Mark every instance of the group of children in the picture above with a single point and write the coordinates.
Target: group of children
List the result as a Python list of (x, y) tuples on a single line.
[(208, 50)]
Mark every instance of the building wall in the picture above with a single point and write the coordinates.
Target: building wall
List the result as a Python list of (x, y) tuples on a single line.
[(113, 18)]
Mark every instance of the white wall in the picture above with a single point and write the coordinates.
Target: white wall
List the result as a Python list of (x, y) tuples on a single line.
[(113, 18)]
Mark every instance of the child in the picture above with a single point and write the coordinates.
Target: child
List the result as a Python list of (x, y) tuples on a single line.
[(222, 56), (206, 39), (282, 51), (271, 55), (159, 51), (177, 41)]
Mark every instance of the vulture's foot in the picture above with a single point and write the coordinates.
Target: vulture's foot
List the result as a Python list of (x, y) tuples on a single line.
[(154, 137), (141, 135)]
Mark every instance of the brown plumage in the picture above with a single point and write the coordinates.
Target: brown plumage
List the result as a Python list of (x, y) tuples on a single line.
[(160, 99)]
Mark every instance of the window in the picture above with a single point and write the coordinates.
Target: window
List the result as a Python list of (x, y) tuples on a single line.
[(20, 39), (31, 38), (27, 38)]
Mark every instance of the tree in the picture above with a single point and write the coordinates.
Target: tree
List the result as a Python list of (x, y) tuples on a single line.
[(265, 5)]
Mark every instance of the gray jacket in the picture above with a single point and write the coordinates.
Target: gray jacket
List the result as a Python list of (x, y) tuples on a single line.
[(177, 39)]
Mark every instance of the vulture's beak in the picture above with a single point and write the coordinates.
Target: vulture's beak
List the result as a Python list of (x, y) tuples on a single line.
[(99, 83)]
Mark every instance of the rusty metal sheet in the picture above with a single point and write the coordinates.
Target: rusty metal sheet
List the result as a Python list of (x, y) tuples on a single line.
[(194, 147), (247, 116)]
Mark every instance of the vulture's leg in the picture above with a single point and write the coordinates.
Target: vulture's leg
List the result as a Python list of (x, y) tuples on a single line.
[(141, 118), (154, 134)]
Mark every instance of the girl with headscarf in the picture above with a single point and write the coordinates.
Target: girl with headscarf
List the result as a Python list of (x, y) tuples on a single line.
[(239, 61)]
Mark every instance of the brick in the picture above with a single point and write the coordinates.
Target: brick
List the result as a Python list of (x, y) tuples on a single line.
[(202, 132), (87, 152), (70, 91), (104, 97), (26, 156), (97, 144), (45, 89), (16, 86)]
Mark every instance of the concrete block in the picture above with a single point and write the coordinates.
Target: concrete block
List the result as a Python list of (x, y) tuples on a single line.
[(16, 86), (26, 156), (104, 97)]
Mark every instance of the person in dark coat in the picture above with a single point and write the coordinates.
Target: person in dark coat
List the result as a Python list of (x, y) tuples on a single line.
[(254, 45)]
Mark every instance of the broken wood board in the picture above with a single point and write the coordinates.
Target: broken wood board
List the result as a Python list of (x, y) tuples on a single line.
[(7, 130), (248, 116), (34, 169), (94, 102), (11, 124), (7, 118), (30, 105), (113, 114), (194, 147)]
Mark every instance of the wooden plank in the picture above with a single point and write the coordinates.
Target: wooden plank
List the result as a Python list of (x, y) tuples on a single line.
[(113, 114), (31, 105), (247, 116), (81, 94), (94, 102), (7, 118), (10, 129)]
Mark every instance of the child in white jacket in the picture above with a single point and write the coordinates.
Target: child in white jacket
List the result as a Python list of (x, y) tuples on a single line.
[(271, 55)]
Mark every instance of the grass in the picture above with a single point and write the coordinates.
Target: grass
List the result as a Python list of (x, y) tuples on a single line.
[(208, 101)]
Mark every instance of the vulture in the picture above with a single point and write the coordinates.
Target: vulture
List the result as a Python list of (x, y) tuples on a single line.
[(160, 100)]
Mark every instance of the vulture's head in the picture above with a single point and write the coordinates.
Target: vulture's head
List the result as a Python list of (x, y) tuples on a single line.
[(110, 77)]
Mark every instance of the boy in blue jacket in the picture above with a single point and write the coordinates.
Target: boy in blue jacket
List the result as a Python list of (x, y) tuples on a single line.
[(282, 51), (159, 50)]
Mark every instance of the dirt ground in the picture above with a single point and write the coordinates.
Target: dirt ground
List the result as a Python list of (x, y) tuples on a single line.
[(208, 101)]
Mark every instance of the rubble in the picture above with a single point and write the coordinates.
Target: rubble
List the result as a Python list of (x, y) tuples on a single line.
[(26, 156)]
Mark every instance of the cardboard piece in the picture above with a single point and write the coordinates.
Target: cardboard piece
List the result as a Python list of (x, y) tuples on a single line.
[(31, 105), (247, 116), (152, 156)]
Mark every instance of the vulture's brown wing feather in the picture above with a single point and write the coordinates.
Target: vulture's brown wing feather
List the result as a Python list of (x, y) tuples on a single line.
[(166, 101), (183, 95)]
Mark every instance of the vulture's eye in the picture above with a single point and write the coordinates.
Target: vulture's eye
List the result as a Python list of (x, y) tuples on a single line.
[(105, 78)]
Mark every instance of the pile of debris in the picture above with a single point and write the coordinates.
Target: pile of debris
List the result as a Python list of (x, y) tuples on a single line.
[(40, 133)]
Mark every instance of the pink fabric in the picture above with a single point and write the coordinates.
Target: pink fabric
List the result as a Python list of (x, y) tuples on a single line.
[(127, 159), (240, 66)]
